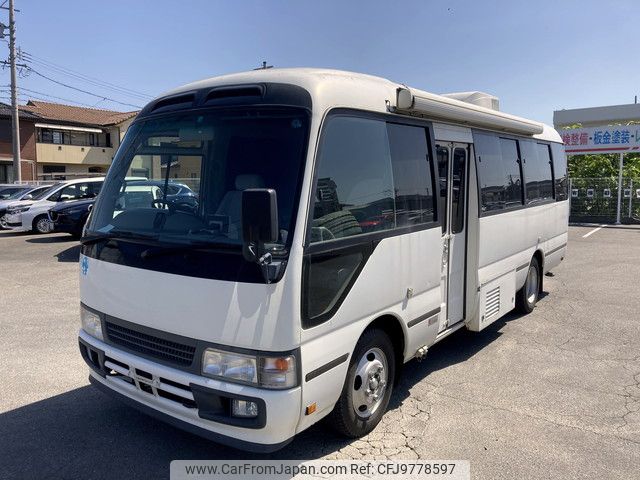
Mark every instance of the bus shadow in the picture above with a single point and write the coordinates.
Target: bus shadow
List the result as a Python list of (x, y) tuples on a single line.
[(84, 431), (71, 254)]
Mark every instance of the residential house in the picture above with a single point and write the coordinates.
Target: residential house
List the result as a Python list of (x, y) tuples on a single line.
[(27, 145), (75, 141)]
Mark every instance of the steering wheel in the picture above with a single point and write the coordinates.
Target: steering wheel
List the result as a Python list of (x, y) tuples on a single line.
[(182, 206)]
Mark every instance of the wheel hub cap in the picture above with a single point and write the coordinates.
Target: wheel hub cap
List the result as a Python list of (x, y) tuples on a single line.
[(370, 382)]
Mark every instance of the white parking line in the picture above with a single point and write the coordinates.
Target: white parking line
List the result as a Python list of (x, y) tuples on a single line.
[(593, 231)]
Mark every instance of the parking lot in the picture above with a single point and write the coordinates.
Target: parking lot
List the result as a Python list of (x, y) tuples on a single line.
[(555, 394)]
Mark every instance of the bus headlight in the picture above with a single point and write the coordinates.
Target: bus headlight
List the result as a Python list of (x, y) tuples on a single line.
[(230, 366), (263, 371), (91, 322)]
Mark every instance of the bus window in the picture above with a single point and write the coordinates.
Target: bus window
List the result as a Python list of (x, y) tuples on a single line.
[(560, 171), (354, 192), (512, 174), (443, 168), (499, 172), (459, 189), (537, 171), (412, 181)]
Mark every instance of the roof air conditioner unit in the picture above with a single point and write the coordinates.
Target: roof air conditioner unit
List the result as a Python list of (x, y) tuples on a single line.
[(481, 99)]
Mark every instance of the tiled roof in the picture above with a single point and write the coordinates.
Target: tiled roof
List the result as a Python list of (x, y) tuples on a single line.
[(77, 115), (5, 111)]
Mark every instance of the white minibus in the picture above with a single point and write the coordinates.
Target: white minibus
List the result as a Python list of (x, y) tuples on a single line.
[(341, 225)]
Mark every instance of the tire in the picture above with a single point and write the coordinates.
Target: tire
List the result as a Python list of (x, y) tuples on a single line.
[(3, 223), (340, 224), (527, 296), (358, 411), (42, 224)]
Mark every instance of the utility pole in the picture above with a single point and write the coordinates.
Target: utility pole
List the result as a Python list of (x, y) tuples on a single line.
[(15, 122)]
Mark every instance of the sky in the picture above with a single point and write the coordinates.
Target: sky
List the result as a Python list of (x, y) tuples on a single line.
[(537, 56)]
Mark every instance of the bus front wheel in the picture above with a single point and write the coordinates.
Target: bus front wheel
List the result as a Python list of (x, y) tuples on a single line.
[(528, 295), (368, 386)]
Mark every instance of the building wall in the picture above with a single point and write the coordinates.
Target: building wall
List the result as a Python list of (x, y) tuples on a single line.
[(78, 159), (27, 145), (29, 170), (73, 155), (27, 138)]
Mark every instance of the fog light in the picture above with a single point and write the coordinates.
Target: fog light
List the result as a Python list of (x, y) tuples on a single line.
[(244, 409)]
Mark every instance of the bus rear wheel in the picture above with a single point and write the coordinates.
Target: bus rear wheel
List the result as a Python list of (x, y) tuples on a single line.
[(368, 386), (528, 295)]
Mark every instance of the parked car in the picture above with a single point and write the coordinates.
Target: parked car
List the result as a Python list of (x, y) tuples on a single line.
[(33, 215), (71, 216), (178, 194), (28, 193), (9, 189)]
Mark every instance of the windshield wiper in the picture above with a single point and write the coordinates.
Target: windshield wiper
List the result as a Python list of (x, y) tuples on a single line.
[(118, 235), (187, 247)]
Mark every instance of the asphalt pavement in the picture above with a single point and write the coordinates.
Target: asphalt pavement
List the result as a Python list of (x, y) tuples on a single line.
[(551, 395)]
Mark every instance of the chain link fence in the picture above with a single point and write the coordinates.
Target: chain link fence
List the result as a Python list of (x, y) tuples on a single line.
[(596, 200)]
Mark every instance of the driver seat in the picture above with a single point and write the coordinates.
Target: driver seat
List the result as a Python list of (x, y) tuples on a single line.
[(231, 204)]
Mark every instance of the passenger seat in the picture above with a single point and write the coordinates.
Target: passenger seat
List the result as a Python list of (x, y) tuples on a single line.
[(231, 204)]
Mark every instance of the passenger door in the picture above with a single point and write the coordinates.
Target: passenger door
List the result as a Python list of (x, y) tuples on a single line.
[(452, 167)]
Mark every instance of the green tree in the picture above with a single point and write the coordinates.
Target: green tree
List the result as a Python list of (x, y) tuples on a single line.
[(603, 166)]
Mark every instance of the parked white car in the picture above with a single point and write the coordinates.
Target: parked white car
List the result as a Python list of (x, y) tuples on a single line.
[(32, 215), (28, 193)]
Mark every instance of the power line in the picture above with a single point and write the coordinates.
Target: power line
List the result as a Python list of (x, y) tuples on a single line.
[(48, 95), (79, 76), (96, 81), (32, 70)]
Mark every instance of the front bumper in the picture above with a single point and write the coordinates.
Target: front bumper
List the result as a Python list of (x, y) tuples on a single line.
[(14, 221), (64, 223), (190, 401)]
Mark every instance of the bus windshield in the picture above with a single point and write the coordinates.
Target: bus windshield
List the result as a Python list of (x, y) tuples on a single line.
[(196, 166)]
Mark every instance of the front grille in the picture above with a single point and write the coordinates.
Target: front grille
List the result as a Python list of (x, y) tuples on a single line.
[(172, 352), (148, 383)]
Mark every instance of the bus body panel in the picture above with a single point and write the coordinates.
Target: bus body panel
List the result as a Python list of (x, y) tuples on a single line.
[(397, 264), (255, 316), (507, 242), (472, 302)]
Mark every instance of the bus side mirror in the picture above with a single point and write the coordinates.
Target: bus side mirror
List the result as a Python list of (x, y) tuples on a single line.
[(259, 216)]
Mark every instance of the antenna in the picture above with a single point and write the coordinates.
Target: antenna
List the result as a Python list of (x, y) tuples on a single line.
[(264, 66)]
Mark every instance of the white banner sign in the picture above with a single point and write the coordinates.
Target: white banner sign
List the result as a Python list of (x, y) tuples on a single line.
[(603, 139)]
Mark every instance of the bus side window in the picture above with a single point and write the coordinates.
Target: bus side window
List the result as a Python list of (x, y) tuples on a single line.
[(354, 190), (560, 171), (443, 168), (459, 189)]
